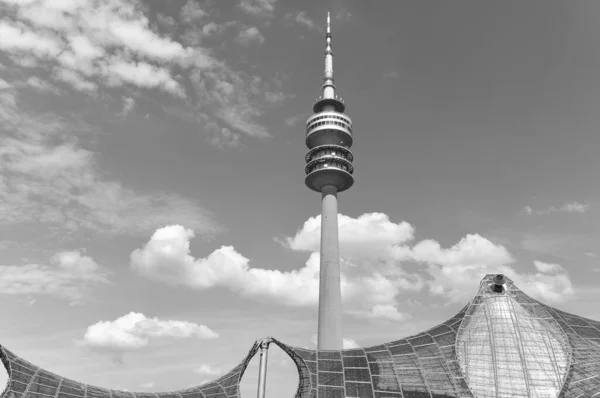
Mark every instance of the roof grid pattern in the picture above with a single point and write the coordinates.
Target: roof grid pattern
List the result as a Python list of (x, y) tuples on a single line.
[(527, 348), (29, 381)]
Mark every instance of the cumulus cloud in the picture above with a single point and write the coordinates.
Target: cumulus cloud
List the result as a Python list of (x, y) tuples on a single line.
[(134, 331), (550, 283), (41, 85), (571, 207), (349, 344), (166, 258), (192, 11), (4, 84), (69, 276), (547, 268), (301, 18), (371, 236), (457, 271), (250, 35), (18, 38), (128, 105), (208, 370), (373, 242), (376, 254)]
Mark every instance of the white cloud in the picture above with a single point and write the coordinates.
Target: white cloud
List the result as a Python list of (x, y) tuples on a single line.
[(349, 344), (4, 84), (50, 179), (166, 258), (191, 12), (547, 268), (144, 74), (18, 38), (370, 236), (372, 242), (69, 276), (301, 18), (150, 384), (75, 80), (41, 85), (78, 35), (134, 331), (258, 7), (457, 271), (576, 207), (571, 207), (470, 251), (374, 255), (223, 137), (208, 370), (128, 105), (383, 311), (551, 283), (250, 35), (166, 22), (236, 101)]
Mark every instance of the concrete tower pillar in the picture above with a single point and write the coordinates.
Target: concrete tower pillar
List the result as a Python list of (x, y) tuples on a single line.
[(330, 292)]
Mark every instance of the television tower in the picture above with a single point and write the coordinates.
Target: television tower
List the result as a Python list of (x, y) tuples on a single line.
[(329, 171)]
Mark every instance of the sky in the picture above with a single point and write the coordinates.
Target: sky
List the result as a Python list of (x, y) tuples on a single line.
[(154, 221)]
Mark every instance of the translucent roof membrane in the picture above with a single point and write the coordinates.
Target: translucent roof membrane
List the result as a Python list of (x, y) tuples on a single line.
[(505, 351), (500, 345)]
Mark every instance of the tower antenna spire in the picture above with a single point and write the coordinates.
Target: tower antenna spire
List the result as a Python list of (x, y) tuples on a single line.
[(328, 86)]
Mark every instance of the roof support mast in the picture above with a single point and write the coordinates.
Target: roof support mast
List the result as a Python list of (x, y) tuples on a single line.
[(262, 373)]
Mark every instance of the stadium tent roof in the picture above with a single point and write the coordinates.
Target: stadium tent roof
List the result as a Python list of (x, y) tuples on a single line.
[(502, 344), (28, 380)]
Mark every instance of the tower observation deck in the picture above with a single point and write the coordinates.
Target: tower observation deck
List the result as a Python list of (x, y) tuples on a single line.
[(329, 171)]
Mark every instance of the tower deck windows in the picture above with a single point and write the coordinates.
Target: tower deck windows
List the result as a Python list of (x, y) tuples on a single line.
[(329, 115), (329, 124), (329, 120), (334, 151)]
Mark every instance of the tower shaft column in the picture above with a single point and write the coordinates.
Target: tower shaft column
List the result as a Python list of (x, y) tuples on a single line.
[(330, 294)]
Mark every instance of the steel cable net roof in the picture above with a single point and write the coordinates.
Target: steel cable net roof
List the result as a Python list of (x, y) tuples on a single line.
[(28, 380), (502, 344)]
